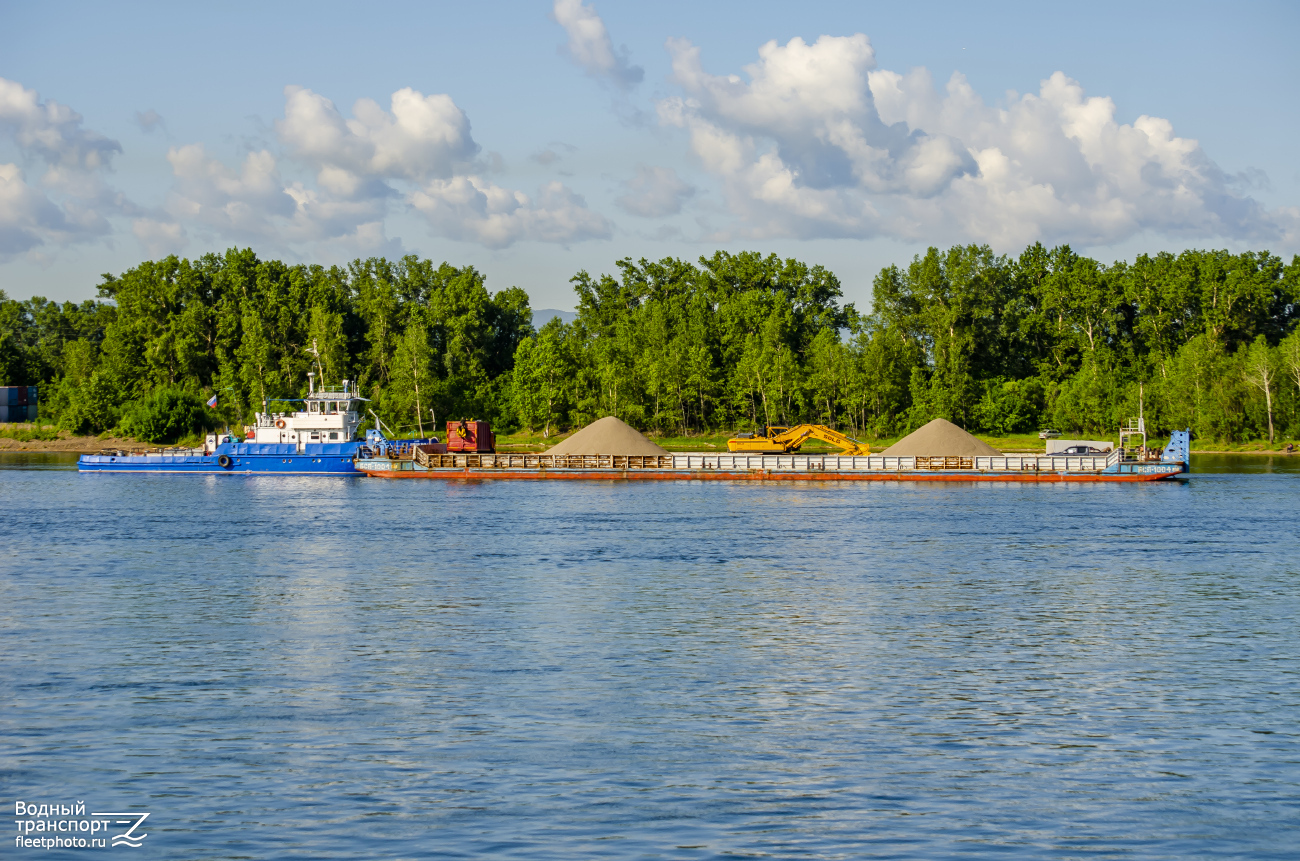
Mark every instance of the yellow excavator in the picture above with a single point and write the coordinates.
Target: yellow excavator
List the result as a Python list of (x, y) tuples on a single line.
[(782, 440)]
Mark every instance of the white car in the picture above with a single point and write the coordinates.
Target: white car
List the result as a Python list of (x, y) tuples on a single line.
[(1048, 434)]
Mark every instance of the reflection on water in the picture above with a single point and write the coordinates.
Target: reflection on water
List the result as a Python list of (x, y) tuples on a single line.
[(283, 667), (1245, 463), (38, 460)]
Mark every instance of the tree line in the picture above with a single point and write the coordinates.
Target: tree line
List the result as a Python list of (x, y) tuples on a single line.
[(997, 344)]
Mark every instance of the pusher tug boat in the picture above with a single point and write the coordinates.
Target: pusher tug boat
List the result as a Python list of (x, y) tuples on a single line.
[(316, 440)]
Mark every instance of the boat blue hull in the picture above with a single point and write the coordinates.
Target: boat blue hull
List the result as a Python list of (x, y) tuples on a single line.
[(242, 459)]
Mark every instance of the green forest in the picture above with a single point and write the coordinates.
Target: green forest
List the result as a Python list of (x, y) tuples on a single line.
[(997, 344)]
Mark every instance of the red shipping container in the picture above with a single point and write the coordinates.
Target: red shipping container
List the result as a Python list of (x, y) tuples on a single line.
[(470, 436)]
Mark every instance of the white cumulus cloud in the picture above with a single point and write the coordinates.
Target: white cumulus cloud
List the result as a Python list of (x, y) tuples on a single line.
[(69, 200), (239, 203), (51, 130), (27, 216), (419, 151), (476, 210), (421, 136), (590, 46), (655, 192), (254, 203), (814, 140), (159, 237)]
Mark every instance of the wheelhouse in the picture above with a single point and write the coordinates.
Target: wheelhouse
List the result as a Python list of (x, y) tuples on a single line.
[(329, 414)]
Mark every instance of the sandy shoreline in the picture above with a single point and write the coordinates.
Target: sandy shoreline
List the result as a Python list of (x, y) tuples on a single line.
[(75, 445)]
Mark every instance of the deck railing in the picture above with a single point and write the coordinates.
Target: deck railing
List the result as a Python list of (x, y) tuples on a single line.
[(766, 462)]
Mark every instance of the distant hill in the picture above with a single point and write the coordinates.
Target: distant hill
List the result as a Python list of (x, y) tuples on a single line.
[(542, 316)]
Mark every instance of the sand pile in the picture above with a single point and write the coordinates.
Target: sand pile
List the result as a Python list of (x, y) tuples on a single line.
[(607, 436), (940, 438)]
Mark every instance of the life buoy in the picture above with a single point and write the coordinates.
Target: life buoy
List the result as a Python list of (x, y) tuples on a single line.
[(279, 423), (224, 461)]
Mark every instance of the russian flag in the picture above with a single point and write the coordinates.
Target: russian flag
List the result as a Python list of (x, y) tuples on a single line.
[(212, 402)]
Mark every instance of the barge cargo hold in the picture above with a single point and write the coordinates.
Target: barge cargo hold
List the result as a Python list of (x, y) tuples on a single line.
[(1115, 467)]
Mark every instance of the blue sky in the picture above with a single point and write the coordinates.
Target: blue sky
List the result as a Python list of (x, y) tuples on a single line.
[(532, 140)]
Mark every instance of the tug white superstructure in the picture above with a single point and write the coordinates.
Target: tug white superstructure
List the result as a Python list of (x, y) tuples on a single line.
[(330, 414)]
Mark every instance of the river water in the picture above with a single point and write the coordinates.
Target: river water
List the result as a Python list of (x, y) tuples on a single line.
[(354, 668)]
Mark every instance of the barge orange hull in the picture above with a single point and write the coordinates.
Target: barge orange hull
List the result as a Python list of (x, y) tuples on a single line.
[(756, 475)]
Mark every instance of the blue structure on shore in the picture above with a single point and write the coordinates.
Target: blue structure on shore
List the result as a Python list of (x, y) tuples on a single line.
[(316, 440), (18, 404)]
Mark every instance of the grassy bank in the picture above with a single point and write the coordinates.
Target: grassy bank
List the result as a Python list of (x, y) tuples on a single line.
[(39, 437), (1257, 446), (27, 431)]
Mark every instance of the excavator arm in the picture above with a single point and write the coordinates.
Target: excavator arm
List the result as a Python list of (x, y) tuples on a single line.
[(847, 444), (781, 440)]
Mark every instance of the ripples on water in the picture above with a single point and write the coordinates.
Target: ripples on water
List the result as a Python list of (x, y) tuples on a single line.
[(350, 668)]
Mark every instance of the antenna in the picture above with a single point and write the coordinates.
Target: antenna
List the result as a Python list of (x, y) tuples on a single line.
[(315, 351), (1142, 422)]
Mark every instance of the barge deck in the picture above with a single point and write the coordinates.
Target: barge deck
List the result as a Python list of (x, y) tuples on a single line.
[(1115, 467)]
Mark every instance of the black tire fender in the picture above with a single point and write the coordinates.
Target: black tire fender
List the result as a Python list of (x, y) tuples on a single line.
[(224, 461)]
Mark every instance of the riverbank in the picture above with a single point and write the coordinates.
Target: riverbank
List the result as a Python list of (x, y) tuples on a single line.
[(50, 440), (1252, 447), (46, 438)]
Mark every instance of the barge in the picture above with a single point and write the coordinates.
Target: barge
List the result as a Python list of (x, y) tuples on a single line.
[(1121, 465)]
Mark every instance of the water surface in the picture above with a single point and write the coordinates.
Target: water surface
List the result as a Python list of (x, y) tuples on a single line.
[(308, 667)]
